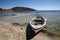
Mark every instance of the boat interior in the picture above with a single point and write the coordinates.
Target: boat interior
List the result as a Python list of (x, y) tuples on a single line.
[(38, 21)]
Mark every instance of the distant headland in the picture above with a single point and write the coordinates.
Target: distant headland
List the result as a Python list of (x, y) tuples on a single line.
[(16, 9)]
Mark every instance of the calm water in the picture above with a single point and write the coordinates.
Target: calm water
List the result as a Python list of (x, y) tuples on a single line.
[(53, 19)]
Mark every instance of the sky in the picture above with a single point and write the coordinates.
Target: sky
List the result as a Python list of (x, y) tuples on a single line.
[(35, 4)]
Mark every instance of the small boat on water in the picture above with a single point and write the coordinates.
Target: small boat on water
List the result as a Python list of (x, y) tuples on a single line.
[(38, 22)]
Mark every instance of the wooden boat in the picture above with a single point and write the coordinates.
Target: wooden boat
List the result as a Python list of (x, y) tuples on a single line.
[(38, 23)]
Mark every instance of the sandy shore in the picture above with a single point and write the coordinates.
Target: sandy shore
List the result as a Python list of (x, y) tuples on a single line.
[(9, 31)]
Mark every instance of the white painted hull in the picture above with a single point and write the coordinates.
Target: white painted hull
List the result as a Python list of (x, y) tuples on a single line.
[(38, 26)]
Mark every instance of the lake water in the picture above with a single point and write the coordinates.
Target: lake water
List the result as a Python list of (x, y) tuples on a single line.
[(53, 19)]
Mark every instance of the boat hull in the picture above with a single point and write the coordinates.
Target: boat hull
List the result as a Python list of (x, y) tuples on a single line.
[(36, 27)]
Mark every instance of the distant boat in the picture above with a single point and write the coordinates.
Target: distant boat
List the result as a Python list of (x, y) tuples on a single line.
[(38, 22)]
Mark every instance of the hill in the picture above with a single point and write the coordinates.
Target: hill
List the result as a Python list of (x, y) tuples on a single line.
[(15, 9)]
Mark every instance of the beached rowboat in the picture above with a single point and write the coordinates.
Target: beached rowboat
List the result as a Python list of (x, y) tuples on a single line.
[(38, 22)]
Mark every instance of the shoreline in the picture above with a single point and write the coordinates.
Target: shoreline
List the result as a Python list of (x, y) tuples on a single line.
[(19, 33)]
